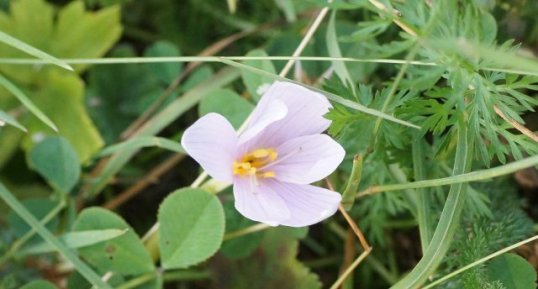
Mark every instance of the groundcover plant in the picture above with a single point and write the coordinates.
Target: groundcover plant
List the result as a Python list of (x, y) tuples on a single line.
[(268, 144)]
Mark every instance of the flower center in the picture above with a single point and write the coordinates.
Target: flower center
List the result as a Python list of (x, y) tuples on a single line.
[(251, 163)]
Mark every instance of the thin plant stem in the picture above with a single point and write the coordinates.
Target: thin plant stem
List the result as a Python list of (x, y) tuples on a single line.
[(245, 231), (311, 30), (462, 178), (350, 269), (479, 261)]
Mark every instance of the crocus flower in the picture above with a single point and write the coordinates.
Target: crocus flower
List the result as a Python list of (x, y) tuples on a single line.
[(272, 163)]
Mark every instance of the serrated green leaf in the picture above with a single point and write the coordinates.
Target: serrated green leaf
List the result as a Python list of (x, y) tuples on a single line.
[(227, 103), (513, 271), (76, 240), (40, 284), (254, 82), (72, 32), (166, 72), (55, 160), (62, 100), (122, 255), (191, 227)]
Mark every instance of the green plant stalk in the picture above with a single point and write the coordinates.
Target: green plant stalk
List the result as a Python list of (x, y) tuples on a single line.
[(449, 220), (185, 275), (348, 197), (424, 214), (461, 178), (136, 282), (160, 121), (80, 266)]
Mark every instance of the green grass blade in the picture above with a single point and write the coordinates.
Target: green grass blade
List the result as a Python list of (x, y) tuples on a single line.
[(26, 102), (334, 51), (424, 214), (6, 118), (330, 96), (160, 121), (448, 222), (141, 142), (80, 266), (16, 43), (76, 240), (463, 178)]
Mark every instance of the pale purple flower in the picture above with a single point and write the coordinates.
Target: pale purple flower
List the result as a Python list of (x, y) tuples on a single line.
[(272, 163)]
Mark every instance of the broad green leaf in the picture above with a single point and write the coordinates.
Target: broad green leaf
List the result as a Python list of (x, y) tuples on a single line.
[(76, 240), (227, 103), (141, 142), (31, 220), (26, 102), (122, 255), (513, 271), (56, 161), (70, 33), (191, 227), (39, 285), (257, 83), (165, 72), (62, 99), (39, 208), (272, 265), (6, 118)]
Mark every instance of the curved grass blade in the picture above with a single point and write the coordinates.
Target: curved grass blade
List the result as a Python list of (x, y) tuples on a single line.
[(6, 118), (80, 266), (142, 142), (16, 43), (330, 96), (449, 220), (26, 102)]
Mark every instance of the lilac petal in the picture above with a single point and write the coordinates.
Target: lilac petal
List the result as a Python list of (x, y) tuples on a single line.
[(212, 142), (265, 114), (307, 204), (258, 202), (305, 113), (306, 159)]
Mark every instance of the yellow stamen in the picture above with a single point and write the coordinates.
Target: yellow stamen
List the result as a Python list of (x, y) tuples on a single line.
[(249, 164)]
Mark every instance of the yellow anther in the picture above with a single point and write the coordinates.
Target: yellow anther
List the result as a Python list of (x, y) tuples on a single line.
[(267, 174), (251, 162)]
